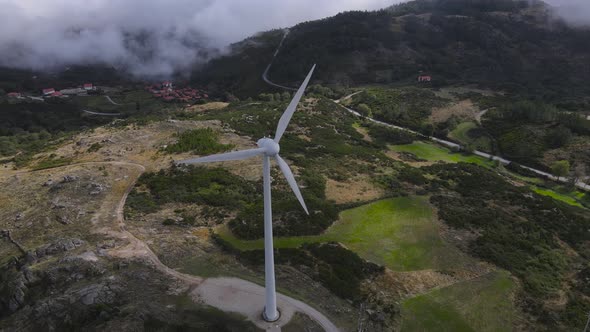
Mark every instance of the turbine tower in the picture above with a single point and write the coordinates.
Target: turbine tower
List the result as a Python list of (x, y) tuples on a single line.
[(268, 148)]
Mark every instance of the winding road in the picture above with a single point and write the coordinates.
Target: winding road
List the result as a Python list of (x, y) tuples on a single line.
[(101, 114), (227, 294), (112, 102), (265, 73)]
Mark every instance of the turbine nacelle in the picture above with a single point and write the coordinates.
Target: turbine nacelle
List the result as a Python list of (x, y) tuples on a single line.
[(271, 148)]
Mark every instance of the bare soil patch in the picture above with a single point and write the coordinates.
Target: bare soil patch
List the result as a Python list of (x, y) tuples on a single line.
[(207, 107), (359, 188), (464, 109)]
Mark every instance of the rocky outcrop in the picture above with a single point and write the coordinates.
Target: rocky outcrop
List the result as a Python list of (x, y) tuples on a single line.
[(7, 234), (96, 188), (59, 246), (70, 178)]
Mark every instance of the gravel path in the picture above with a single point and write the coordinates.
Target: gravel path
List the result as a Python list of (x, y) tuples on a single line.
[(112, 102)]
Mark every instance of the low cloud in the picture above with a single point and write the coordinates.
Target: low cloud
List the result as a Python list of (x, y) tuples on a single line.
[(147, 37), (575, 12), (159, 37)]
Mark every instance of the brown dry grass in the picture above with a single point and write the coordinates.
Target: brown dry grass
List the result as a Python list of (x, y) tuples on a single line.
[(397, 156), (359, 188), (363, 131), (143, 145), (464, 109), (216, 105)]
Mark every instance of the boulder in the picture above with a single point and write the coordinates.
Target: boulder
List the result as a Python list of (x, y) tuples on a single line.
[(70, 178)]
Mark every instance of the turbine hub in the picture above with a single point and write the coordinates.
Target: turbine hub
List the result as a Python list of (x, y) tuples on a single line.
[(271, 148)]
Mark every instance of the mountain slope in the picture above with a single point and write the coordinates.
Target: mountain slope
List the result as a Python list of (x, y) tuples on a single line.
[(514, 45)]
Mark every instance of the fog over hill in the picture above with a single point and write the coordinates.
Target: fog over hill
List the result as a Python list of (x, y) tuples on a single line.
[(157, 37)]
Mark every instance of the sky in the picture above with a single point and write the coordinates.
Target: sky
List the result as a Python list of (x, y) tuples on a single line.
[(42, 34)]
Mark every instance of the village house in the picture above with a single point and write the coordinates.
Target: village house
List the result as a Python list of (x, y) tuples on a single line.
[(48, 91), (166, 92), (14, 95), (424, 78), (88, 86)]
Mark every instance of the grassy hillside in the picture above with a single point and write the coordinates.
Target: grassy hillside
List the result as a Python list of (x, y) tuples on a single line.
[(481, 304)]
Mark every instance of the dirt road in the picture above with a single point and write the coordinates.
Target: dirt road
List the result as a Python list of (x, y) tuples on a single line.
[(228, 294)]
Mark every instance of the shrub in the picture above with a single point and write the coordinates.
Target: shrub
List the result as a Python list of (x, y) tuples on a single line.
[(384, 135), (169, 222), (95, 147), (198, 141)]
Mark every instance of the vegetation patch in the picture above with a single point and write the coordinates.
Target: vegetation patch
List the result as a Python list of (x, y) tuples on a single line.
[(217, 187), (212, 186), (566, 198), (528, 234), (481, 304), (51, 162), (337, 268), (433, 152), (469, 134), (408, 107), (199, 141), (400, 233)]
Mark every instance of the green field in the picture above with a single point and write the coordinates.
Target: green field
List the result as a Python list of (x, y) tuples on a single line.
[(400, 233), (481, 304), (461, 134), (569, 198), (432, 152)]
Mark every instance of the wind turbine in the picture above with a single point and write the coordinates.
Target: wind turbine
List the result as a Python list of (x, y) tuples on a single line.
[(268, 148)]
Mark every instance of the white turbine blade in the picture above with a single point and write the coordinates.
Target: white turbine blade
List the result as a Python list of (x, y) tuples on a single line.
[(236, 155), (286, 117), (291, 179)]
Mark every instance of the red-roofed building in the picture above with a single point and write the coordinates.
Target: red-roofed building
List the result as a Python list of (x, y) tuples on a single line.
[(424, 78), (88, 86), (48, 91), (14, 94), (56, 94)]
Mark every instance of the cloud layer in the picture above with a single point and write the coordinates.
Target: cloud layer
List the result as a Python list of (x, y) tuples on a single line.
[(148, 37), (576, 12), (157, 37)]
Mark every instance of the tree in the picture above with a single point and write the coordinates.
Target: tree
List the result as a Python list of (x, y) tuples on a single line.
[(561, 168), (266, 97), (365, 110), (286, 96), (469, 148), (579, 172), (559, 137), (231, 98)]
